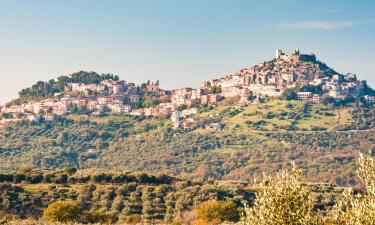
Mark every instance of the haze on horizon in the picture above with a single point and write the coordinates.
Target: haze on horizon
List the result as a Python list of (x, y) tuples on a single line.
[(180, 43)]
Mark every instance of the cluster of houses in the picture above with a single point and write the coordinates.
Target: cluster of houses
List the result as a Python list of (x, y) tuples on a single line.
[(109, 96), (268, 79), (272, 78)]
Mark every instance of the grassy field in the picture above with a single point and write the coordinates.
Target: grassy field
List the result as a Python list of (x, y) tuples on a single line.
[(275, 115), (281, 115)]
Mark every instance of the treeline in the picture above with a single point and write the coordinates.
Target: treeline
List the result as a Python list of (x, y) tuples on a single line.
[(47, 89), (69, 176)]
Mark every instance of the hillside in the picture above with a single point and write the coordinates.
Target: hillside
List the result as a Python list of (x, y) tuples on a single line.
[(125, 196), (291, 108), (323, 140), (42, 90)]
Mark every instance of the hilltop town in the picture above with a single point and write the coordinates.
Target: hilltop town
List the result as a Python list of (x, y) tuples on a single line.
[(295, 77)]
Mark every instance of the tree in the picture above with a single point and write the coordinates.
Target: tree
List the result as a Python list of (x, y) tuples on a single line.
[(70, 170), (328, 100), (215, 90), (358, 209), (182, 107), (282, 199), (48, 89), (315, 89), (215, 212), (289, 94), (7, 116), (62, 211), (25, 169), (367, 90)]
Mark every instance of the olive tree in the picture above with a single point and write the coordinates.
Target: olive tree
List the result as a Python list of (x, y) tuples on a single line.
[(282, 199), (62, 211), (358, 209)]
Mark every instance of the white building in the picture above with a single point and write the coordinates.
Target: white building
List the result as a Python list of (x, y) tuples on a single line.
[(304, 96)]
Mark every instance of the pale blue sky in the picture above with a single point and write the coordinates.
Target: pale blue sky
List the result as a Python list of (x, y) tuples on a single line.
[(181, 43)]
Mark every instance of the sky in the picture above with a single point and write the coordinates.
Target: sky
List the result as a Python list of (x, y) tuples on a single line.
[(180, 43)]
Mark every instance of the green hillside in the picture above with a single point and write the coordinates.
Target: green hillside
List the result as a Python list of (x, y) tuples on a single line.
[(322, 140)]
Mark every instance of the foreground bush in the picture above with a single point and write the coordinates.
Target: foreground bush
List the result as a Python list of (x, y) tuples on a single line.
[(62, 211), (216, 212), (358, 209), (282, 200)]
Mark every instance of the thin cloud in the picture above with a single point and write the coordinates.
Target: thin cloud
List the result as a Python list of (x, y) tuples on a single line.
[(334, 11), (321, 25)]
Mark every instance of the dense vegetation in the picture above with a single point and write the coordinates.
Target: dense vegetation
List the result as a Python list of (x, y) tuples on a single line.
[(48, 89), (135, 198), (121, 196), (284, 199), (322, 140)]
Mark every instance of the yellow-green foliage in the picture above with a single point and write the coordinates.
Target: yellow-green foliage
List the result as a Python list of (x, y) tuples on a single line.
[(97, 217), (5, 217), (62, 211), (215, 212), (133, 219), (358, 209), (281, 200)]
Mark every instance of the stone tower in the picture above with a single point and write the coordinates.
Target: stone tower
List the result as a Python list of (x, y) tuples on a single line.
[(279, 52)]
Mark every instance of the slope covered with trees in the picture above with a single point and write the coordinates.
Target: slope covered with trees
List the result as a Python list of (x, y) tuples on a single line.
[(107, 197), (43, 89), (120, 196), (323, 141)]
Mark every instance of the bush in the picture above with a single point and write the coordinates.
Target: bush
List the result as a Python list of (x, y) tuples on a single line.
[(62, 211), (216, 212), (269, 115), (133, 219), (97, 217), (289, 94), (70, 170), (25, 169), (282, 199), (358, 209)]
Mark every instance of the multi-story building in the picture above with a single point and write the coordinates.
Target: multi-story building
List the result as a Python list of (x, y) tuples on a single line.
[(304, 96)]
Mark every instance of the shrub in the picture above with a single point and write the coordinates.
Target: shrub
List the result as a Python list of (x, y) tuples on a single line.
[(269, 115), (216, 212), (282, 199), (62, 211), (133, 219), (289, 94), (97, 217), (358, 209), (70, 170), (25, 169), (176, 223), (5, 217)]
